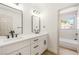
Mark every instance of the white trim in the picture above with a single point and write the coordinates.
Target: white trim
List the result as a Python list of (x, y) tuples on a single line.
[(19, 7), (68, 10)]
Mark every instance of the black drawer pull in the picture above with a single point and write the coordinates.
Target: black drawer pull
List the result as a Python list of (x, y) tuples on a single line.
[(37, 54), (20, 54), (36, 46), (36, 40), (45, 42)]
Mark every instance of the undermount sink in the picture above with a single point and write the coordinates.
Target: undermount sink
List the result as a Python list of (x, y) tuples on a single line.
[(10, 39), (5, 41)]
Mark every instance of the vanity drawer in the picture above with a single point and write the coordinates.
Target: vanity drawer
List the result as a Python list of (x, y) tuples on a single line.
[(35, 49), (39, 39), (15, 46), (34, 40)]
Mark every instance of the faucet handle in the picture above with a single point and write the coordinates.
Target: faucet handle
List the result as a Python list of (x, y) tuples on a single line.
[(8, 36), (16, 35)]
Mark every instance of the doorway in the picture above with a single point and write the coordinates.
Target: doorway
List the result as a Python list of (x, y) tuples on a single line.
[(68, 31)]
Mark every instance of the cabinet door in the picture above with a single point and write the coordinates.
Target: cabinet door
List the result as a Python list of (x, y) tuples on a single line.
[(25, 50), (22, 51), (14, 53), (14, 46), (43, 43)]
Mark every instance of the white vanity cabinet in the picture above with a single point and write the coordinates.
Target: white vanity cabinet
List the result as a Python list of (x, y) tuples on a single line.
[(43, 43), (34, 45), (22, 47), (39, 45)]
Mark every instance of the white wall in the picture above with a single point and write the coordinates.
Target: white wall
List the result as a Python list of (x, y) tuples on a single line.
[(49, 19), (27, 17)]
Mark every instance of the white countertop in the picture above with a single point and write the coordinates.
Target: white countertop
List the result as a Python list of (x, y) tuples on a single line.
[(4, 41)]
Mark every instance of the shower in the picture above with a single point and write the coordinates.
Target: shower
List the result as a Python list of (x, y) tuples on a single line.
[(69, 30)]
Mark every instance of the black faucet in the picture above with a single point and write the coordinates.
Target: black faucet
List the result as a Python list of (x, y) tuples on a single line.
[(12, 33)]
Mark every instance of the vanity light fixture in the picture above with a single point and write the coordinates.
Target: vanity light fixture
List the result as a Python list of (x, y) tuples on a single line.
[(35, 12)]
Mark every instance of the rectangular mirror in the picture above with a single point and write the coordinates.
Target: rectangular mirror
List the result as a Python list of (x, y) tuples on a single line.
[(35, 24), (10, 19)]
